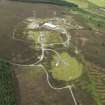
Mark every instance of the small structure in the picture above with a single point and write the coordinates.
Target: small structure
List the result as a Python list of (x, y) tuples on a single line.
[(48, 26), (53, 27), (33, 26), (30, 19)]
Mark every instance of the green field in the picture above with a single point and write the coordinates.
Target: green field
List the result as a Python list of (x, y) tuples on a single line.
[(81, 3), (100, 3), (85, 3), (53, 37), (68, 69), (33, 35), (50, 37), (7, 92)]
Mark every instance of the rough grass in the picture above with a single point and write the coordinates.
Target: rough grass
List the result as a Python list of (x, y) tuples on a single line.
[(68, 69), (50, 37), (81, 3), (53, 37), (100, 3), (33, 35)]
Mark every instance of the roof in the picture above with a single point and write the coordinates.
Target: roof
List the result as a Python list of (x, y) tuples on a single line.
[(49, 25)]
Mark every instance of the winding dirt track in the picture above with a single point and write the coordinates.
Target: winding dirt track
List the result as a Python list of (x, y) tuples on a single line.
[(37, 63), (14, 14)]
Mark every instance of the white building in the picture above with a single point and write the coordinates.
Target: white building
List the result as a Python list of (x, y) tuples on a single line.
[(53, 27), (48, 26)]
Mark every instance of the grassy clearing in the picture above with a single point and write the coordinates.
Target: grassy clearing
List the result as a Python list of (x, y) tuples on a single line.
[(7, 93), (80, 3), (53, 37), (33, 35), (67, 70), (50, 37), (100, 3)]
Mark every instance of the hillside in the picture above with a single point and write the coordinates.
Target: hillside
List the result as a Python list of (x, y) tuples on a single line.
[(86, 3), (98, 2), (80, 3)]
